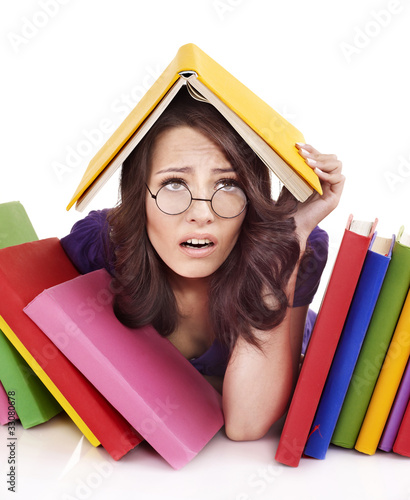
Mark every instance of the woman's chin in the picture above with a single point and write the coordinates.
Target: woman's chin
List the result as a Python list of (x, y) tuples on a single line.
[(194, 273)]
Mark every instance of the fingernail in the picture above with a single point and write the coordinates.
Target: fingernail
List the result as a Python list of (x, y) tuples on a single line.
[(311, 162), (304, 152), (300, 144)]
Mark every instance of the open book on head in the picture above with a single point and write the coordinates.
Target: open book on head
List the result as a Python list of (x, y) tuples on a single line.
[(270, 136)]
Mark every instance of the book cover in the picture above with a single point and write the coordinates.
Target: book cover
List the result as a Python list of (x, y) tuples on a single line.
[(397, 412), (322, 346), (25, 271), (375, 345), (15, 225), (262, 120), (140, 372), (6, 414), (357, 321), (387, 384), (402, 442), (34, 402)]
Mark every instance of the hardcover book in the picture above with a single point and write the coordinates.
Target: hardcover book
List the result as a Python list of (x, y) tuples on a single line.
[(15, 225), (141, 373), (376, 343), (358, 319), (6, 415), (397, 412), (25, 271), (267, 133), (402, 441), (34, 402), (323, 343), (387, 384)]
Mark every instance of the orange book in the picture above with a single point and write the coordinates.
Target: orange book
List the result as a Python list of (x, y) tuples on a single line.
[(387, 384)]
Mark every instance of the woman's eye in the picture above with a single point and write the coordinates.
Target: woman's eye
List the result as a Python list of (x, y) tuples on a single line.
[(174, 186), (227, 185)]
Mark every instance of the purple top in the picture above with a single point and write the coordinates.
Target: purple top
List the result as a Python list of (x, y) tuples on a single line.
[(88, 248)]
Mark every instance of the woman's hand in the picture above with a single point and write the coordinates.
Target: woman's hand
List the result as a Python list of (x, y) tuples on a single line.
[(329, 170)]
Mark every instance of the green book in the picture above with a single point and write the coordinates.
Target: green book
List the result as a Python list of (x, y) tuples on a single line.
[(33, 402), (376, 343), (15, 226)]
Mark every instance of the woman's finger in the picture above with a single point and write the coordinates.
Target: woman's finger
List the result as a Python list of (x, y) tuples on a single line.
[(332, 178), (329, 165), (325, 162), (307, 147)]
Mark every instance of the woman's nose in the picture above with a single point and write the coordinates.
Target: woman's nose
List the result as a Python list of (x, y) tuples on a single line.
[(200, 211)]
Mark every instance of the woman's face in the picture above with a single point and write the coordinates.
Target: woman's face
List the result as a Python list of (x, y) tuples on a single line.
[(184, 156)]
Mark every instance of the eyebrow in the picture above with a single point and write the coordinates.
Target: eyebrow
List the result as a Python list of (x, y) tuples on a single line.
[(185, 170)]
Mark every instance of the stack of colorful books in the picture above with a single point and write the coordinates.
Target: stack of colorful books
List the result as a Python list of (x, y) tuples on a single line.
[(353, 389), (61, 348)]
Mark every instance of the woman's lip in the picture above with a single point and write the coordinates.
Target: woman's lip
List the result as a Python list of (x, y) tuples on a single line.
[(197, 252)]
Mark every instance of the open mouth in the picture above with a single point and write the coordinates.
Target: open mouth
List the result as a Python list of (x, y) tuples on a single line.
[(194, 243)]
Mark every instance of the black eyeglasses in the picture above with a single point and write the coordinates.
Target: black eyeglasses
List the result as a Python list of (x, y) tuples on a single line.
[(175, 198)]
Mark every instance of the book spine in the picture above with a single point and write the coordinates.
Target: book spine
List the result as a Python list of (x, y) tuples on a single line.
[(375, 345), (325, 336), (337, 383), (397, 412), (402, 442), (387, 385)]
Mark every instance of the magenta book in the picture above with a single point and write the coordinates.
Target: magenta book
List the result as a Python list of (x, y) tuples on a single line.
[(6, 413), (137, 370)]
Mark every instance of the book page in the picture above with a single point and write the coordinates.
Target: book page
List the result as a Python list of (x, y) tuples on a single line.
[(296, 184), (382, 245), (128, 147), (405, 239), (361, 227)]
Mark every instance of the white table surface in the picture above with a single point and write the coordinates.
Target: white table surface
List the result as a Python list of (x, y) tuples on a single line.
[(55, 462)]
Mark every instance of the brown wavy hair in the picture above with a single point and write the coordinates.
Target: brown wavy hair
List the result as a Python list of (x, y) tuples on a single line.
[(260, 264)]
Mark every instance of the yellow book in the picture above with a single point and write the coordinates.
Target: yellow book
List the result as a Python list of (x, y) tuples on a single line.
[(387, 384), (42, 375), (271, 136)]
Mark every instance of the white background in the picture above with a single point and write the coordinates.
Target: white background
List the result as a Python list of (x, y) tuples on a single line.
[(337, 70)]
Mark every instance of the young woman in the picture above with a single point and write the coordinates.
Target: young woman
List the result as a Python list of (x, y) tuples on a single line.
[(198, 249)]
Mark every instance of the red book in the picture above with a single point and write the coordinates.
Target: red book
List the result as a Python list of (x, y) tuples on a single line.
[(402, 441), (25, 271), (324, 340)]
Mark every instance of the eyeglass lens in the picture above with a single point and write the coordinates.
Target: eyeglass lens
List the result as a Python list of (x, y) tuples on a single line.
[(226, 202)]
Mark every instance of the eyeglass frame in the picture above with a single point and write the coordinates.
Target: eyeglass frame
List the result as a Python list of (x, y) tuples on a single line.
[(154, 197)]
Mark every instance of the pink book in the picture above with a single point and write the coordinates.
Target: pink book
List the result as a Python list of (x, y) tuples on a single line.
[(139, 372), (5, 416)]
